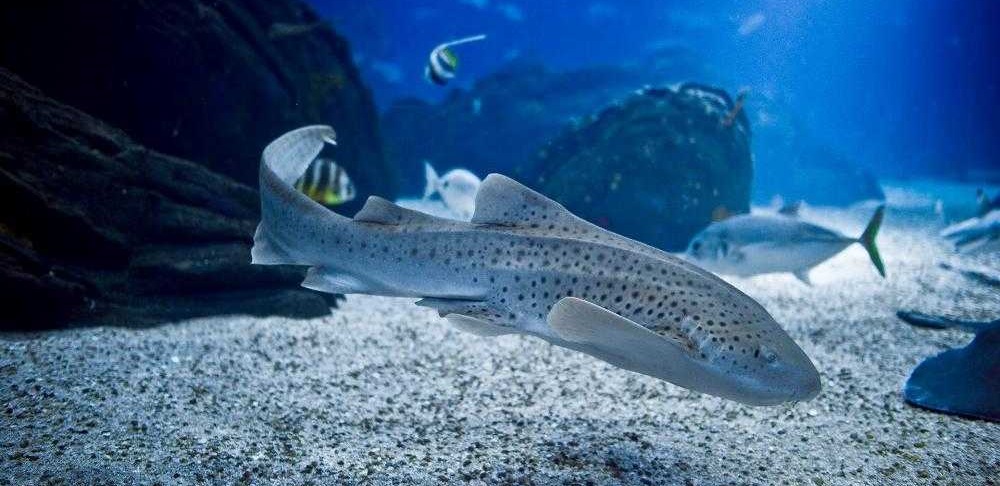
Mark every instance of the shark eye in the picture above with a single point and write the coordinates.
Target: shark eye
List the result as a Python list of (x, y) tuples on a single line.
[(445, 184), (696, 246), (768, 355)]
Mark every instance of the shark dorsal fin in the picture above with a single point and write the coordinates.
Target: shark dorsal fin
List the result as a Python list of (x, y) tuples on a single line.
[(382, 211), (504, 201)]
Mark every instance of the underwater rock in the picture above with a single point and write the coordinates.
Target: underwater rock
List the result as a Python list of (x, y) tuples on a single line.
[(500, 123), (206, 81), (98, 229), (655, 167)]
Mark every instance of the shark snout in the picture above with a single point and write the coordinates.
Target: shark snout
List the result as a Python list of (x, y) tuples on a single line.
[(789, 377), (802, 382)]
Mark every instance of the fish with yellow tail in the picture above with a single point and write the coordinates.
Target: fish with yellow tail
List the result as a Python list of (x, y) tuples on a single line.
[(327, 183), (755, 244), (443, 62), (525, 265)]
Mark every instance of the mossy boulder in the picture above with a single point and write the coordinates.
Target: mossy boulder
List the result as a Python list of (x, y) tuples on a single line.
[(498, 124), (655, 167)]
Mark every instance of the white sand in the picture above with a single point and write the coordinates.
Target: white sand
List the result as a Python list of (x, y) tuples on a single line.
[(385, 392)]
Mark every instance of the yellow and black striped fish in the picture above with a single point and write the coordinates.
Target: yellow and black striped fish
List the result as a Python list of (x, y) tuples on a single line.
[(443, 62), (327, 183)]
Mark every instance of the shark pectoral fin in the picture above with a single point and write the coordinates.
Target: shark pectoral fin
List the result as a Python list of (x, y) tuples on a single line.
[(477, 326), (617, 340), (326, 280), (803, 276)]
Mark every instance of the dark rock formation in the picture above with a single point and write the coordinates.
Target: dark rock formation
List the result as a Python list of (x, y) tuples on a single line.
[(655, 167), (792, 164), (97, 229), (520, 108), (208, 81)]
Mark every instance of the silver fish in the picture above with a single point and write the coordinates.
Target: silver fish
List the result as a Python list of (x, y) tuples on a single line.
[(457, 188), (526, 265), (976, 235), (754, 244), (442, 63)]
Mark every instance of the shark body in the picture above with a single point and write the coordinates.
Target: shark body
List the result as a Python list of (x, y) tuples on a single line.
[(526, 265)]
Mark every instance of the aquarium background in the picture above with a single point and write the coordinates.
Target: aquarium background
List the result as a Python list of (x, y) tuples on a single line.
[(903, 89), (140, 345)]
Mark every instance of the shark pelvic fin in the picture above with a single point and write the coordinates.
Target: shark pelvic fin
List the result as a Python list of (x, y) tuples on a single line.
[(803, 276), (469, 315), (477, 326)]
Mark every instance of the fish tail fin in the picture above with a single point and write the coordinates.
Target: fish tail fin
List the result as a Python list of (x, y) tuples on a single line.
[(867, 239), (432, 180), (287, 214)]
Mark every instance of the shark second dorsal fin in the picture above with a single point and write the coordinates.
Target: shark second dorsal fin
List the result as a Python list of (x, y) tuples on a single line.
[(382, 211), (504, 201)]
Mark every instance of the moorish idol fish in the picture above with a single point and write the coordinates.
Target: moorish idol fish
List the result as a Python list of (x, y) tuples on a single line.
[(327, 183), (442, 63)]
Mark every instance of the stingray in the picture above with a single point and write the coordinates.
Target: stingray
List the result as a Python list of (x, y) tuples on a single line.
[(961, 381)]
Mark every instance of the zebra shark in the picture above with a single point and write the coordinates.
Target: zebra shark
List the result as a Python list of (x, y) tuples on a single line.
[(525, 265)]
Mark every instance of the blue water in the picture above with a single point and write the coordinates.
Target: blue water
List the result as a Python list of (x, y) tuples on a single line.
[(900, 88)]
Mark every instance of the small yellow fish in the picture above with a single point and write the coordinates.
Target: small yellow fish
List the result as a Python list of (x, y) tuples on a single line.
[(327, 183)]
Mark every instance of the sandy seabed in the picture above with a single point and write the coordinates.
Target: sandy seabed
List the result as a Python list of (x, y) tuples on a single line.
[(384, 392)]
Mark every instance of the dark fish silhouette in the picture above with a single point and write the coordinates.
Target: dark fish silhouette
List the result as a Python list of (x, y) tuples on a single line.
[(962, 381)]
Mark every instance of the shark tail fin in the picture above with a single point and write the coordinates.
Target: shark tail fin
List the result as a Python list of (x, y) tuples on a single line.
[(432, 180), (283, 207), (867, 239)]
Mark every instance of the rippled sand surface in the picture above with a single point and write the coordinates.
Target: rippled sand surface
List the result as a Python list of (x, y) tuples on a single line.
[(384, 392)]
